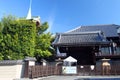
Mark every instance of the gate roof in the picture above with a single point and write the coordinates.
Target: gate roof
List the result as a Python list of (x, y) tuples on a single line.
[(70, 59)]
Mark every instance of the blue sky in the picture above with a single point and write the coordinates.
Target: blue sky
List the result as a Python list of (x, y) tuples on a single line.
[(64, 15)]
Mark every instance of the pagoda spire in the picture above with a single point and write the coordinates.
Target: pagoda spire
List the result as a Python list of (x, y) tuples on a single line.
[(29, 15)]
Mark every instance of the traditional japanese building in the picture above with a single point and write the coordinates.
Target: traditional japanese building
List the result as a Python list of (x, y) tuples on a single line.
[(88, 44)]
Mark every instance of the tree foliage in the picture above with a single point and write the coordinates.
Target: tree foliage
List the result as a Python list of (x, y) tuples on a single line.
[(20, 38)]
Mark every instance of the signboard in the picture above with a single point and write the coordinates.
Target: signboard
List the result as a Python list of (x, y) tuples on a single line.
[(62, 55), (31, 63), (69, 70)]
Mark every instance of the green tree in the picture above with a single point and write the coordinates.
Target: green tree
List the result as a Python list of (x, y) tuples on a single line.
[(20, 38), (43, 42)]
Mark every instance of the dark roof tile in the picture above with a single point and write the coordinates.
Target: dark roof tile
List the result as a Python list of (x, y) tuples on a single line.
[(11, 62), (80, 38), (109, 30)]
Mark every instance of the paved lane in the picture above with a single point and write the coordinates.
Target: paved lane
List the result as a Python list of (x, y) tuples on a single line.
[(74, 77)]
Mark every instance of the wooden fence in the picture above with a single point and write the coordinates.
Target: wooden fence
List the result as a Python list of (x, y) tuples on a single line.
[(98, 70), (41, 71)]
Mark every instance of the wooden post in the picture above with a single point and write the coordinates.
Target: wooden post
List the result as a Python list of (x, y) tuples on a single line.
[(26, 69), (29, 61)]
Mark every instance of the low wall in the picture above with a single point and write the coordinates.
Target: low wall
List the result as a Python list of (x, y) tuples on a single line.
[(11, 69)]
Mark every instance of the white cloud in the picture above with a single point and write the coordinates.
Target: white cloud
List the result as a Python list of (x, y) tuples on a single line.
[(51, 20)]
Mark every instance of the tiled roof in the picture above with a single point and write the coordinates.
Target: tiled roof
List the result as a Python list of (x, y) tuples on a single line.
[(80, 38), (30, 59), (109, 30), (11, 62)]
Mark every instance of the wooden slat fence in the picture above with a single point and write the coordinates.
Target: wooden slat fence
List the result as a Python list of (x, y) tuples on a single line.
[(98, 70), (41, 71)]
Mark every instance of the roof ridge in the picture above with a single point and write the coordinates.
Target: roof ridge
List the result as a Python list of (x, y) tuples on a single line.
[(98, 25), (86, 32), (73, 29)]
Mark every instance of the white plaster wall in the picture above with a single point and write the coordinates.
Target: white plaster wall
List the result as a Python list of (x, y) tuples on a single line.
[(10, 72)]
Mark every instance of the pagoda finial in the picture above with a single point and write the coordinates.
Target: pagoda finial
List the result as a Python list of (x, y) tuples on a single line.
[(29, 16)]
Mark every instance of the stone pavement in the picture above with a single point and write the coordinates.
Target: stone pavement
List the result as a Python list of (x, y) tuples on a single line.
[(74, 77)]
